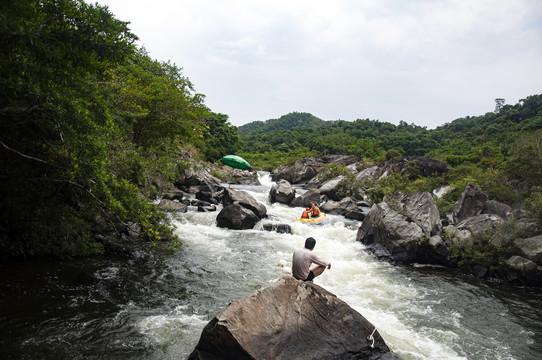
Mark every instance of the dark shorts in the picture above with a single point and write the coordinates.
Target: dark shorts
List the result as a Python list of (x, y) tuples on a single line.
[(310, 277)]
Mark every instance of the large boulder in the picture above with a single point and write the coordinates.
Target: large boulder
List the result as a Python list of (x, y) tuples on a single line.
[(331, 187), (347, 207), (237, 217), (407, 233), (471, 203), (173, 206), (243, 177), (302, 170), (290, 320), (424, 166), (526, 271), (420, 208), (531, 248), (371, 172), (480, 224), (393, 232), (494, 207), (244, 199), (195, 175), (306, 199), (282, 192), (305, 169)]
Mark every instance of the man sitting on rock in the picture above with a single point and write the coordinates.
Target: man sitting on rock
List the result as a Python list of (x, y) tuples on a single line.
[(302, 260)]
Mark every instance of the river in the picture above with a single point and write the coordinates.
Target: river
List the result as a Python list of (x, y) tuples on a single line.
[(152, 304)]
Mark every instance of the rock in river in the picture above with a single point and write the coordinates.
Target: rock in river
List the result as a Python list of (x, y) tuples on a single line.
[(290, 320)]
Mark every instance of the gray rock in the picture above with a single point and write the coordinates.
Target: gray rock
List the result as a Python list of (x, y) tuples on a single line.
[(480, 224), (280, 228), (420, 208), (290, 320), (531, 248), (393, 231), (282, 192), (453, 235), (471, 203), (330, 188), (304, 200), (494, 207), (172, 206), (244, 199), (237, 217), (441, 191), (347, 207)]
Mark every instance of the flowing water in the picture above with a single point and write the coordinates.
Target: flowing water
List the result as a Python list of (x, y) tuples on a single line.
[(151, 304)]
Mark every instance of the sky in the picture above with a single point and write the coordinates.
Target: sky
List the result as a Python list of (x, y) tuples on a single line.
[(425, 62)]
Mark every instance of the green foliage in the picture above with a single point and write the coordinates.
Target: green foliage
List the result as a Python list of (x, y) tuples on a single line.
[(220, 138), (491, 249), (533, 205), (285, 122), (525, 161), (333, 170), (88, 123)]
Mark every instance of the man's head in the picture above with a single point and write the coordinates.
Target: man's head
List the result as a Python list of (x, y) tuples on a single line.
[(310, 243)]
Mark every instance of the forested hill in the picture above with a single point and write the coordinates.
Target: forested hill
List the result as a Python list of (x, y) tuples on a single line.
[(465, 139), (285, 122)]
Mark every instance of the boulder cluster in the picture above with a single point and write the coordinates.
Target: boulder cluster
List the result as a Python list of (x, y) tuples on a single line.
[(403, 228), (408, 228)]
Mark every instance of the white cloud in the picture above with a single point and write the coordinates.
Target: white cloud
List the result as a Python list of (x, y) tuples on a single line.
[(424, 62)]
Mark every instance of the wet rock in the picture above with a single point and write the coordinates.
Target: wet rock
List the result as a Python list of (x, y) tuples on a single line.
[(172, 206), (176, 194), (242, 177), (290, 320), (244, 199), (347, 207), (305, 169), (527, 270), (280, 228), (196, 175), (237, 217), (471, 203), (393, 231), (282, 192), (207, 208)]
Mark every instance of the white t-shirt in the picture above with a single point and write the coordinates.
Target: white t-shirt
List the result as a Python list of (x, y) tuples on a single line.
[(301, 262)]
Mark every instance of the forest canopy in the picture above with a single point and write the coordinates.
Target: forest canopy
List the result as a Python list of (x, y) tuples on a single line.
[(88, 120)]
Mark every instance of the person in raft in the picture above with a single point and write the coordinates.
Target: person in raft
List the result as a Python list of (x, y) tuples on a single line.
[(302, 260), (315, 211), (306, 214)]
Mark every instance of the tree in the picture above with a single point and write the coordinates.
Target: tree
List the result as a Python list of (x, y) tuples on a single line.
[(220, 138), (86, 121), (499, 103)]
